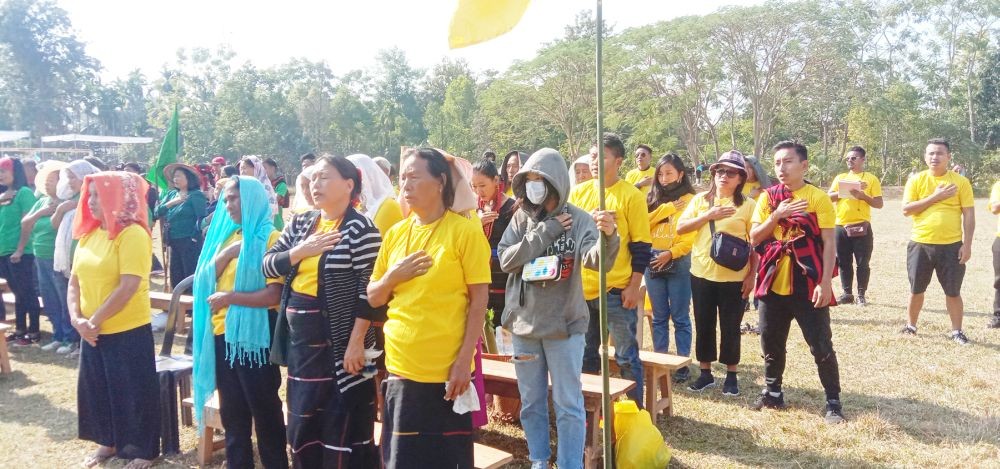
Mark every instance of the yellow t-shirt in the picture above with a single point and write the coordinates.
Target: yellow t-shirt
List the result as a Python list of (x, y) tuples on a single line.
[(750, 186), (427, 314), (509, 191), (663, 228), (636, 175), (227, 279), (941, 223), (98, 264), (851, 211), (818, 203), (388, 214), (629, 206), (995, 199), (738, 225), (305, 281)]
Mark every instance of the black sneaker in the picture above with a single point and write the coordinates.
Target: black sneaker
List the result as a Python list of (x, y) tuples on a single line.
[(861, 301), (845, 299), (730, 387), (766, 400), (834, 412), (682, 375), (959, 338), (908, 330), (994, 323), (14, 336), (702, 383)]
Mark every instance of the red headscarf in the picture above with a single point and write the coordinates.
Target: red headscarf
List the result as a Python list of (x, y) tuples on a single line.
[(123, 202)]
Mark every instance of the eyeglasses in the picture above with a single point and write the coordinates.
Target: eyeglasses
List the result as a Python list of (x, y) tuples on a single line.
[(727, 172)]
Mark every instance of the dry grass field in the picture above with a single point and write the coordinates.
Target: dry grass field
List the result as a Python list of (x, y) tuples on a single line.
[(921, 401)]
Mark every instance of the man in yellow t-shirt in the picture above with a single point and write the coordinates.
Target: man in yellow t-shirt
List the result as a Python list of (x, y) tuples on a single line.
[(855, 240), (784, 286), (944, 219), (642, 176), (995, 209), (628, 206)]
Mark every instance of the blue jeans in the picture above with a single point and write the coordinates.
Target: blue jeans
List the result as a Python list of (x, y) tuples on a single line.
[(621, 326), (534, 360), (52, 287), (671, 299)]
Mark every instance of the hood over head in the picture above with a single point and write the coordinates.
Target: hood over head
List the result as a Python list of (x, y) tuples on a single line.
[(549, 164)]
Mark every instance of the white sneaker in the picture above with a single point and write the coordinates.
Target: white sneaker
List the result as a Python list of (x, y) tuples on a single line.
[(51, 346), (74, 355), (67, 348)]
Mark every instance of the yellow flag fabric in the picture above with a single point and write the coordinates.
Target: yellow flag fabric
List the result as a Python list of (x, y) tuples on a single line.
[(478, 21)]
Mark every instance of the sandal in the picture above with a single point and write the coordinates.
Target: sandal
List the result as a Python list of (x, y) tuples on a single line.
[(97, 458)]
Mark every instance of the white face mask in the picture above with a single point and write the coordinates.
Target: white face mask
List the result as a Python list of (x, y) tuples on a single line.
[(535, 190), (63, 189)]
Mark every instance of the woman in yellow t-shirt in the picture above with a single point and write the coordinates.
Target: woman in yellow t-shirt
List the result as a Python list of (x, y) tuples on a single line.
[(433, 272), (108, 303), (325, 257), (378, 197), (719, 292), (233, 327), (668, 278)]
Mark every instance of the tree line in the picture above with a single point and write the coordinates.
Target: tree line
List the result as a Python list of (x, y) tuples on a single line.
[(886, 74)]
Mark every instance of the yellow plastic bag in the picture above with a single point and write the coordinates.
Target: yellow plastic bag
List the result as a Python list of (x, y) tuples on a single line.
[(639, 444)]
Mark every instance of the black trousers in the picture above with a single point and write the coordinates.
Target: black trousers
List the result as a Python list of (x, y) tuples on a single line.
[(776, 315), (248, 396), (851, 251), (722, 303), (184, 254), (118, 395), (996, 276), (22, 281)]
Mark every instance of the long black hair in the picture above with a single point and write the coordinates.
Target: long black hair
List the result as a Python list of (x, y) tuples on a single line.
[(521, 158), (347, 170), (439, 168), (660, 194), (17, 171)]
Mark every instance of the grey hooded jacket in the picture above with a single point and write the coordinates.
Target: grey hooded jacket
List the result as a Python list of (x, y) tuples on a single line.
[(553, 309)]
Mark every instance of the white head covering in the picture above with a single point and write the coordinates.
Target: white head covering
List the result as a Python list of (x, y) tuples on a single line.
[(585, 159), (300, 203), (375, 185), (383, 163), (61, 259), (260, 173)]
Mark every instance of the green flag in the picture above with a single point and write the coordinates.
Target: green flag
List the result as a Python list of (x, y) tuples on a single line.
[(168, 154)]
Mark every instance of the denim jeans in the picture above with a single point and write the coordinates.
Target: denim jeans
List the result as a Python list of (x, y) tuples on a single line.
[(534, 361), (670, 296), (52, 287), (21, 280), (621, 326)]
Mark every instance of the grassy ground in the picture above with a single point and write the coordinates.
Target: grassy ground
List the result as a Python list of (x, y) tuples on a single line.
[(920, 401)]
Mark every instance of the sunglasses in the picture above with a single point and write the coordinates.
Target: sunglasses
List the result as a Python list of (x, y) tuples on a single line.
[(727, 172)]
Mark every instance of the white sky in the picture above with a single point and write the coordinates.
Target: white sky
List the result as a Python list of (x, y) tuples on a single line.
[(347, 34)]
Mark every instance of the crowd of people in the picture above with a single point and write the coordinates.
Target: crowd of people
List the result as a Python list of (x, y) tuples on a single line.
[(370, 284)]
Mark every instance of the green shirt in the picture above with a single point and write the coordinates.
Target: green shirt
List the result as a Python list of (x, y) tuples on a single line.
[(43, 235), (183, 219), (11, 213), (282, 191)]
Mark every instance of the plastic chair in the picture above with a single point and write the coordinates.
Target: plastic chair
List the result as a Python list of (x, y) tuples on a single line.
[(174, 374)]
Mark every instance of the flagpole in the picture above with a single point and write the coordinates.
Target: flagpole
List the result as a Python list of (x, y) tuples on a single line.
[(609, 452)]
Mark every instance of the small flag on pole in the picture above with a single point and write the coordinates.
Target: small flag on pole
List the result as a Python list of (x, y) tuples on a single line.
[(168, 154), (478, 21)]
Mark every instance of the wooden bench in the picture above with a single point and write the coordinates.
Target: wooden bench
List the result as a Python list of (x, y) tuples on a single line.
[(485, 456), (4, 356), (157, 300), (657, 371), (501, 380)]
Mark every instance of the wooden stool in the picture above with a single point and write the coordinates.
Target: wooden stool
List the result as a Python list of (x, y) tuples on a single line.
[(4, 356)]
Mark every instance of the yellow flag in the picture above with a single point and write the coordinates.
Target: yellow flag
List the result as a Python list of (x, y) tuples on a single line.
[(478, 21)]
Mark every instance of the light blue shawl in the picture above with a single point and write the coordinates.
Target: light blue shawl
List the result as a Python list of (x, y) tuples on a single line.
[(248, 335)]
